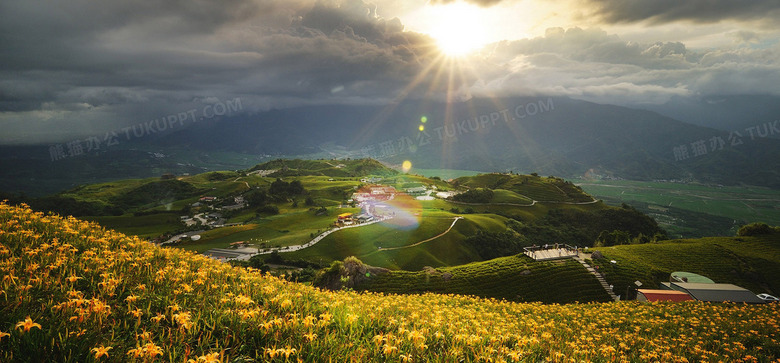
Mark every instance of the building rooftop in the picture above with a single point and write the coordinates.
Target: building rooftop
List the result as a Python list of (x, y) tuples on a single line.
[(662, 295), (716, 292)]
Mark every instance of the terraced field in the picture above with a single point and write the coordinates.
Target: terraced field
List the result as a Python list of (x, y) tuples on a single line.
[(750, 262), (514, 278)]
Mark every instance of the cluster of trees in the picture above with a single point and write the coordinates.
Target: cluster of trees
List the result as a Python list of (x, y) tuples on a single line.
[(477, 195), (155, 193), (279, 191), (491, 245), (259, 200), (349, 274), (283, 189), (617, 237), (757, 229), (586, 228), (306, 272), (70, 206)]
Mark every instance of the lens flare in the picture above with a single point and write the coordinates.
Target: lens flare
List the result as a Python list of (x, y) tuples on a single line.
[(390, 207), (406, 166)]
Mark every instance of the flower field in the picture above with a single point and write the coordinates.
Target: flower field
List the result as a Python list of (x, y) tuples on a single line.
[(72, 291)]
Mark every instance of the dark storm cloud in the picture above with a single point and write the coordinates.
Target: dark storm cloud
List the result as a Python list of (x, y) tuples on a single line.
[(71, 63), (594, 65), (699, 11), (662, 11)]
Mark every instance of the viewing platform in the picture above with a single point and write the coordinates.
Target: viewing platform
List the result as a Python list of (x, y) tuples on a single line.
[(551, 252)]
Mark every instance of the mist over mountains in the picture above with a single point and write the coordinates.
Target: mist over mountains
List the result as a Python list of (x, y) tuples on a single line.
[(546, 135), (556, 136)]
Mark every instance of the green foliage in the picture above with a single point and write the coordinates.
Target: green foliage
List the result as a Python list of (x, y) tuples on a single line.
[(550, 189), (477, 195), (490, 245), (757, 229), (219, 176), (155, 193), (583, 228), (309, 201), (514, 278), (690, 210), (78, 208), (331, 168), (268, 209), (282, 189), (256, 198), (750, 262)]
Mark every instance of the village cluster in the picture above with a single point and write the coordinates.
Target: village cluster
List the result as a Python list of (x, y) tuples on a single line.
[(209, 213)]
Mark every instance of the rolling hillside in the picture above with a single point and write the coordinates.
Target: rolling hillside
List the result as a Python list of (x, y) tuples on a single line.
[(104, 296), (528, 187), (536, 210), (513, 278), (750, 262)]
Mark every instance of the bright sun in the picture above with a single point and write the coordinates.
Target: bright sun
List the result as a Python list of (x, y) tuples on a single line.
[(458, 28)]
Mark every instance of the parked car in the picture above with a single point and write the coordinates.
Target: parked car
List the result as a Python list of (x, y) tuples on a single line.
[(768, 298)]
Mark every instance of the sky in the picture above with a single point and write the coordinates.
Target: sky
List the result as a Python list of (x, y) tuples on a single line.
[(80, 67)]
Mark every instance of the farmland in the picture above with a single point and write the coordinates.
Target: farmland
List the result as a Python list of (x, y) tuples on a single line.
[(513, 278), (688, 210)]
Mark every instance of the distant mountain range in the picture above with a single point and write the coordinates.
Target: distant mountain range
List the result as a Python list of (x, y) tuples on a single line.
[(549, 136), (728, 113)]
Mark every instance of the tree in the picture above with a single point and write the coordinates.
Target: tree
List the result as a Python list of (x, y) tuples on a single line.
[(256, 198), (478, 195), (757, 229), (309, 201)]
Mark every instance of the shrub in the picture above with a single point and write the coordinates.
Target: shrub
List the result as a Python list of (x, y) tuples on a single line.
[(757, 229)]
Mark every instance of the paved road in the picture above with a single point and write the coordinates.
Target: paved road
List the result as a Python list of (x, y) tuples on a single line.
[(313, 242)]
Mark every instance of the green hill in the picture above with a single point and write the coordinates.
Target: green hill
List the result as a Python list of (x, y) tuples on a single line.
[(514, 278), (388, 246), (750, 262), (549, 189), (537, 210), (332, 168)]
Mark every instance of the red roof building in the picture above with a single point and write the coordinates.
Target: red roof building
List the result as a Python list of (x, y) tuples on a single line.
[(662, 295)]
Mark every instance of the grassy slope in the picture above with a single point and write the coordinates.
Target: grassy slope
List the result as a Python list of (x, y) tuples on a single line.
[(537, 188), (364, 242), (329, 183), (147, 226), (515, 278), (750, 262), (292, 228), (168, 305)]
